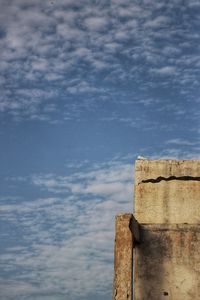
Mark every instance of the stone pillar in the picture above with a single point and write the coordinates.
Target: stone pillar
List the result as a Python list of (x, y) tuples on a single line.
[(126, 235), (167, 207)]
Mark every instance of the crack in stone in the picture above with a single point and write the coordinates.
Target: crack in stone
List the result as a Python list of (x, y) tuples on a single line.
[(161, 178)]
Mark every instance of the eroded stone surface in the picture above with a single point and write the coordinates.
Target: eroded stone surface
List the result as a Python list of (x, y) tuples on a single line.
[(123, 271), (166, 263), (167, 191), (167, 206)]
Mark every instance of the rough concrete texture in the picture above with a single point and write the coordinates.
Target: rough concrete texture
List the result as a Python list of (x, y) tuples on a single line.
[(167, 191), (123, 272), (167, 263)]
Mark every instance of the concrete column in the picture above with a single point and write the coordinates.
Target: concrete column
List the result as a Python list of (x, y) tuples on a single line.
[(167, 206), (126, 235), (123, 265)]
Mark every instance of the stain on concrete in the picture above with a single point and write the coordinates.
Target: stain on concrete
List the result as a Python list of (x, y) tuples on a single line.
[(166, 263)]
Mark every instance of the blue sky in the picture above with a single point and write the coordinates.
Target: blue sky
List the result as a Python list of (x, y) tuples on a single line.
[(86, 87)]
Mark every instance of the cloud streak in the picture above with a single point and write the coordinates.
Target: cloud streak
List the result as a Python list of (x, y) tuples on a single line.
[(65, 247)]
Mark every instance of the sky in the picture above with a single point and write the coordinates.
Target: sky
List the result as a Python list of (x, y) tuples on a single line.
[(86, 87)]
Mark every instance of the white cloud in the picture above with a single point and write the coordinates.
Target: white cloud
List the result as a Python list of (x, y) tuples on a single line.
[(176, 152), (181, 142), (158, 22), (40, 65), (167, 70), (96, 23), (82, 87)]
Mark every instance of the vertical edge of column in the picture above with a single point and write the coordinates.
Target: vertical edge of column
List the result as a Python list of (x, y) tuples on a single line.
[(123, 258)]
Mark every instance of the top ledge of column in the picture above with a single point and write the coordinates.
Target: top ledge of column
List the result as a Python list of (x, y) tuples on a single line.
[(151, 169), (167, 191)]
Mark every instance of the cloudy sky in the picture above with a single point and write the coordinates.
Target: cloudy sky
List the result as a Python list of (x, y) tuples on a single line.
[(86, 87)]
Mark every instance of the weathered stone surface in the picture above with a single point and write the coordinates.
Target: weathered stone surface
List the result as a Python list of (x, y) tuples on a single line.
[(167, 259), (167, 191), (167, 207), (123, 265), (167, 262)]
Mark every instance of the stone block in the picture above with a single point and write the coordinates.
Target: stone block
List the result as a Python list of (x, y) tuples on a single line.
[(167, 262), (167, 191)]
